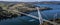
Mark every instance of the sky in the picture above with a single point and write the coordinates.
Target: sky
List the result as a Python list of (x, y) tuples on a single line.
[(28, 0)]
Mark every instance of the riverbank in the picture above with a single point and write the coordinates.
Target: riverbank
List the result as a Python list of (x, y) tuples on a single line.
[(56, 20), (10, 10)]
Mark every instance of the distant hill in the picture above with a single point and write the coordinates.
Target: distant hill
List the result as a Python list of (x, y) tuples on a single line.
[(43, 2), (50, 2), (8, 2)]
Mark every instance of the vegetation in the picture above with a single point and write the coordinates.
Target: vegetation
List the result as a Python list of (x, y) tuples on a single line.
[(10, 9)]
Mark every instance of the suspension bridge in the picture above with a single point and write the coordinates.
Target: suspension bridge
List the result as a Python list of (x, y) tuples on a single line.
[(54, 23)]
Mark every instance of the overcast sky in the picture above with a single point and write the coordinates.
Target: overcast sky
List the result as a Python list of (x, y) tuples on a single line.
[(29, 0)]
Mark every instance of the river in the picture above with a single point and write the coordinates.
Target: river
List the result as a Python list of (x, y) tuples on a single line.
[(26, 20)]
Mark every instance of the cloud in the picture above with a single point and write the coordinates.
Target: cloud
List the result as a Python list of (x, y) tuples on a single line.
[(20, 0), (29, 0)]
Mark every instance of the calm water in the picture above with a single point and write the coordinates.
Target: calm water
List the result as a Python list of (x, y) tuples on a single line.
[(26, 20)]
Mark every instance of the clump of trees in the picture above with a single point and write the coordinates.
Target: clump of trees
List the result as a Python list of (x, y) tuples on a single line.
[(6, 13)]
